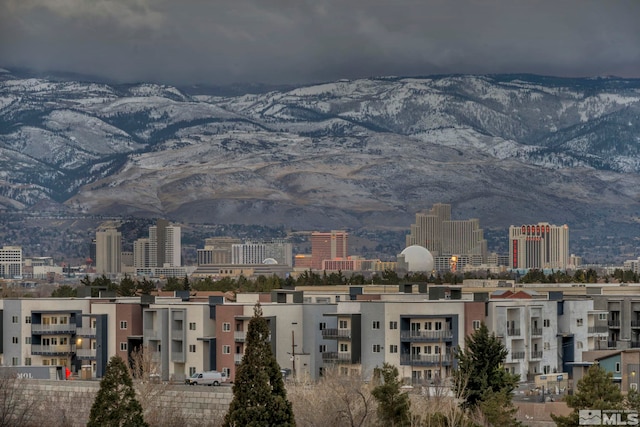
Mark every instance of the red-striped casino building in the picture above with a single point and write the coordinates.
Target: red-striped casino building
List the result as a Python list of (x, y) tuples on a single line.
[(540, 246)]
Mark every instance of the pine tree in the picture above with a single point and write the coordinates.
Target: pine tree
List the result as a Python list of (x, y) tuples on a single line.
[(116, 403), (596, 390), (394, 406), (259, 395), (480, 375)]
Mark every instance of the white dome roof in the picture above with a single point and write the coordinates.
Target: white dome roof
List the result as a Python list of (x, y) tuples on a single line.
[(269, 261), (418, 258)]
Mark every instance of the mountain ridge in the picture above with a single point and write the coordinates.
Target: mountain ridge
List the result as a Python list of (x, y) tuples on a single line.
[(365, 153)]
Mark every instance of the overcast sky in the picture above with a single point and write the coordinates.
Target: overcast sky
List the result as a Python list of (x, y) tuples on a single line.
[(298, 41)]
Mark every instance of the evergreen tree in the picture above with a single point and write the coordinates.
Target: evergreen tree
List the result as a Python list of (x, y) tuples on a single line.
[(116, 403), (596, 390), (146, 286), (259, 395), (480, 373), (127, 287), (64, 291), (394, 406)]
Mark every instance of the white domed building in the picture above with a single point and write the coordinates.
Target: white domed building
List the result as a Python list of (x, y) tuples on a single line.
[(415, 258)]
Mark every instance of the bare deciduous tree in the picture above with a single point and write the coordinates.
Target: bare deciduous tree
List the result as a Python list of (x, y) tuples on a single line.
[(16, 407)]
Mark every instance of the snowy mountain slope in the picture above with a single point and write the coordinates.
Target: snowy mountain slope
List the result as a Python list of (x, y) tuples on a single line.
[(368, 152)]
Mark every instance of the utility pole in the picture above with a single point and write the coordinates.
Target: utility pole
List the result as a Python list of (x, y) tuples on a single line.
[(293, 353)]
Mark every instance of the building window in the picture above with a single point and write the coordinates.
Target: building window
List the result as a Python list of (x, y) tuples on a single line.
[(226, 327), (192, 348), (323, 348), (602, 316), (64, 340), (436, 349), (123, 346), (192, 326), (342, 324), (323, 326), (438, 326), (226, 349), (14, 361), (427, 349), (579, 344), (64, 320), (393, 325), (14, 319), (344, 370), (27, 340), (15, 340), (547, 346), (579, 322), (344, 347), (476, 325), (226, 372), (393, 348), (376, 324), (617, 366), (27, 319), (27, 361), (45, 362), (123, 324), (192, 370), (428, 326), (376, 348), (546, 323)]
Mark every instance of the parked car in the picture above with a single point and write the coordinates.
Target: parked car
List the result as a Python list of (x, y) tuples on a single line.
[(207, 378)]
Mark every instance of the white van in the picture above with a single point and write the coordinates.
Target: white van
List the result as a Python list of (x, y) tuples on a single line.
[(207, 378)]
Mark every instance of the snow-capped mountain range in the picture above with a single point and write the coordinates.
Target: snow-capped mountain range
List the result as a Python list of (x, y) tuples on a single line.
[(508, 149)]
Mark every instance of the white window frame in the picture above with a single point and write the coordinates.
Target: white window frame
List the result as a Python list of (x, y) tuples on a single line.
[(376, 348), (226, 327), (123, 324), (375, 324), (124, 346), (226, 349)]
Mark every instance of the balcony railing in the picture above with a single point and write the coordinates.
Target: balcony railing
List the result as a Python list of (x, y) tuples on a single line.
[(614, 323), (40, 329), (517, 355), (151, 334), (536, 354), (536, 332), (514, 332), (598, 329), (240, 336), (177, 334), (333, 333), (444, 334), (86, 332), (611, 344), (178, 356), (336, 357), (635, 344), (425, 359), (237, 358), (51, 349), (635, 323), (86, 353)]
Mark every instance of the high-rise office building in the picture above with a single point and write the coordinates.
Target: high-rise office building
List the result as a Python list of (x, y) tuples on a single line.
[(444, 237), (108, 251), (11, 261), (328, 246), (165, 249), (141, 255), (540, 246)]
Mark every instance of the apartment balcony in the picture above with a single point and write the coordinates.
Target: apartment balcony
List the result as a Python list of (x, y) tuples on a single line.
[(52, 350), (513, 332), (156, 356), (40, 329), (536, 332), (241, 336), (86, 332), (635, 323), (86, 353), (177, 334), (151, 334), (536, 355), (612, 344), (422, 336), (598, 330), (614, 323), (635, 344), (426, 359), (335, 357), (178, 356), (517, 355), (237, 358), (333, 333)]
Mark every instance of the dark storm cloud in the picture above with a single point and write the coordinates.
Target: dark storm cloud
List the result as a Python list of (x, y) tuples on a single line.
[(294, 41)]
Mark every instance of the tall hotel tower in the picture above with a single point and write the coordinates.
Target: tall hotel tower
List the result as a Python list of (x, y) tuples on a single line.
[(108, 251), (444, 237), (165, 249), (328, 246), (540, 246)]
